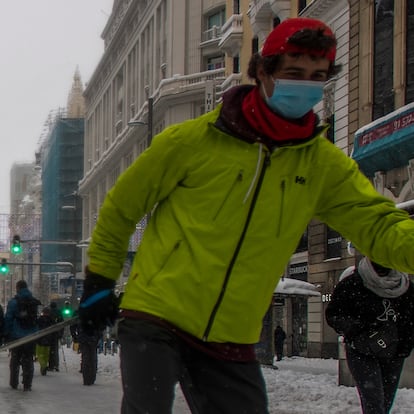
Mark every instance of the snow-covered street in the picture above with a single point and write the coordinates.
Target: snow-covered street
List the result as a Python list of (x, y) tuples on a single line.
[(300, 385)]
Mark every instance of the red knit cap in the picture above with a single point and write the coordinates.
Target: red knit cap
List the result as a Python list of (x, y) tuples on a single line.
[(277, 41)]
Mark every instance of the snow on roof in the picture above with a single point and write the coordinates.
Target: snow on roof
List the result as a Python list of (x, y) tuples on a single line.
[(289, 286), (385, 118)]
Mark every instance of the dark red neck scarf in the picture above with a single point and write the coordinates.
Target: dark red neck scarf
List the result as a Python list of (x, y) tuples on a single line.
[(269, 124)]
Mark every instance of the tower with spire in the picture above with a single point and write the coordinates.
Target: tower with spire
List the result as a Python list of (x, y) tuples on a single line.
[(76, 101)]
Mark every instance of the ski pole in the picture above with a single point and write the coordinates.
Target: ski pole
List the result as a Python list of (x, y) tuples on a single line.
[(64, 359)]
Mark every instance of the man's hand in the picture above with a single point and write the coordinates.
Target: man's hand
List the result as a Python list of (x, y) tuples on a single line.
[(98, 306)]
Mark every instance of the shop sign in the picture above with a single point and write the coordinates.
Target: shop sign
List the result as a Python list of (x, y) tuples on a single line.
[(386, 129), (299, 271), (333, 244), (326, 297)]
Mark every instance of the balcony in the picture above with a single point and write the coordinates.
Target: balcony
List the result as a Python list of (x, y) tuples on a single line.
[(209, 40), (261, 13), (232, 35), (211, 36)]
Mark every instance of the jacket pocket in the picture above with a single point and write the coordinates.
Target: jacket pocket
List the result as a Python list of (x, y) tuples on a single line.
[(164, 262), (236, 180)]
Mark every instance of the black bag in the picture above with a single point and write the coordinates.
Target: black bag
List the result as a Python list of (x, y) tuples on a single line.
[(381, 341), (27, 312)]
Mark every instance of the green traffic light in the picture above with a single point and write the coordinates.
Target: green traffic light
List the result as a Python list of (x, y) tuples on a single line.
[(16, 245), (67, 312), (4, 267), (16, 249)]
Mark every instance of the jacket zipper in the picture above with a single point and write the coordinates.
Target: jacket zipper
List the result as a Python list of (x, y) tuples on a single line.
[(266, 163)]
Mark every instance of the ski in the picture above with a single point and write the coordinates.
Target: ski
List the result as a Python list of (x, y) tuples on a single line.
[(39, 334)]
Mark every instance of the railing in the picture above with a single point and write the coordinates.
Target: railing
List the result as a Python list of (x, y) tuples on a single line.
[(179, 83), (234, 23), (211, 34)]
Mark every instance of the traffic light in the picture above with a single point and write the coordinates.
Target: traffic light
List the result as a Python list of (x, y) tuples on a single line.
[(67, 310), (4, 267), (16, 247)]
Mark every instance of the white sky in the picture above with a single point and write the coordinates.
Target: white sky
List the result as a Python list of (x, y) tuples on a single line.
[(299, 386), (41, 43)]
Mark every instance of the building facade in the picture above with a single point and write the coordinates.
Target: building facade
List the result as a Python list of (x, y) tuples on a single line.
[(61, 160)]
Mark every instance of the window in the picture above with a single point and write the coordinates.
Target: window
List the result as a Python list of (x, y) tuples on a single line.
[(236, 64), (383, 58), (216, 62), (216, 19), (255, 45), (303, 243), (301, 5), (330, 134), (409, 97), (333, 244)]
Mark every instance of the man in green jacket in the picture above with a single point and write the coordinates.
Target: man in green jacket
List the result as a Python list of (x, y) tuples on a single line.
[(234, 191)]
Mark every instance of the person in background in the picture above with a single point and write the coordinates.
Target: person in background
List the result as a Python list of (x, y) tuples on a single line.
[(16, 326), (43, 344), (374, 310), (53, 364), (1, 324), (88, 346), (230, 194), (279, 339)]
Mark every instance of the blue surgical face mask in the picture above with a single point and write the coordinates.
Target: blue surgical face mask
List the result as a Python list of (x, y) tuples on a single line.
[(294, 98)]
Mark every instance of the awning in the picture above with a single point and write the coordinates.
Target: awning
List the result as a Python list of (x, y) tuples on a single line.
[(289, 286), (386, 143)]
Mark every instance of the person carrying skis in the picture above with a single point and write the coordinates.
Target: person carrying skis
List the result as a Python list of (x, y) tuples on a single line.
[(230, 195), (21, 320)]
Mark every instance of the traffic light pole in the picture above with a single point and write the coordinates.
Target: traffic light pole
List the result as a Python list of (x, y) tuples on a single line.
[(71, 265)]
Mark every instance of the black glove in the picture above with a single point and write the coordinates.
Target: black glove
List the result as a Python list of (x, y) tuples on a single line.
[(98, 306)]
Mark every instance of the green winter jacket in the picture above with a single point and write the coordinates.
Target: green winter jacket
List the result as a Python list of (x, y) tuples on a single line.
[(229, 215)]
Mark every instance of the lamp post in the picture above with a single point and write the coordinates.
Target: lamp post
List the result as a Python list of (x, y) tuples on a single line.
[(149, 123), (150, 126), (73, 208)]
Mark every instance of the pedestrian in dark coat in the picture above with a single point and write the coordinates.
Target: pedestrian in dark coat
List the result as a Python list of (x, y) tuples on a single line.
[(44, 343), (279, 337), (374, 310), (22, 355), (88, 344), (1, 325), (55, 338)]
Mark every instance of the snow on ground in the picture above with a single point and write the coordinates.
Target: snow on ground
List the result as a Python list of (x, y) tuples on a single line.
[(302, 385), (309, 385), (299, 385)]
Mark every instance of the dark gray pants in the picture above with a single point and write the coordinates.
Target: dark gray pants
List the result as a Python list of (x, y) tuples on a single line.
[(154, 360), (89, 360), (22, 355), (376, 380)]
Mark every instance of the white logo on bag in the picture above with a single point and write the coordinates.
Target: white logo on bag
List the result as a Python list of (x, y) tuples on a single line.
[(381, 343), (388, 313)]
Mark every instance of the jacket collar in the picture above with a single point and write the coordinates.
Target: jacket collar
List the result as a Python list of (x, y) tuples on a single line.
[(232, 121)]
